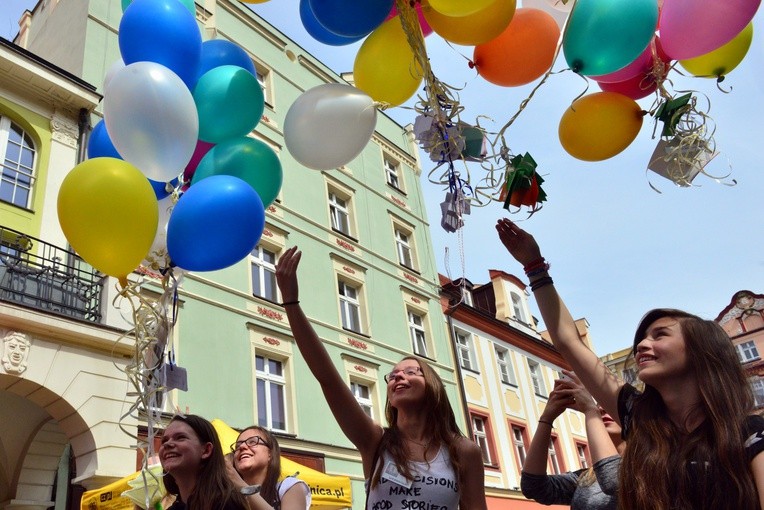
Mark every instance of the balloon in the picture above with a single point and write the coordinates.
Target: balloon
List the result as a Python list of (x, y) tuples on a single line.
[(188, 4), (216, 223), (599, 126), (115, 66), (157, 258), (249, 159), (99, 143), (473, 29), (202, 148), (151, 118), (163, 189), (604, 36), (317, 30), (108, 213), (426, 28), (385, 67), (230, 102), (639, 65), (524, 51), (560, 16), (690, 28), (350, 18), (329, 125), (722, 60), (458, 8), (219, 52), (636, 87), (161, 31)]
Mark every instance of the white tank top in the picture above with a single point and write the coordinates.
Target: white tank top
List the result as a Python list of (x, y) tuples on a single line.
[(434, 486)]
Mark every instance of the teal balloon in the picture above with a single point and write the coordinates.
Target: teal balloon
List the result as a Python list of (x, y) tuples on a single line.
[(188, 4), (251, 160), (230, 103), (604, 36)]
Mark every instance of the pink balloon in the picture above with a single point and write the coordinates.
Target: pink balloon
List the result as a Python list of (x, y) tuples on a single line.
[(426, 28), (690, 28), (201, 149), (636, 87), (641, 65)]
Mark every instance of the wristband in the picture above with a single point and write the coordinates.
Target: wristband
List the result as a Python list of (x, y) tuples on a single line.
[(295, 302), (547, 422)]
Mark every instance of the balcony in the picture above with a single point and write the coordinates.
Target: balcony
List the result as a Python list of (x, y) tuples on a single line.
[(42, 276)]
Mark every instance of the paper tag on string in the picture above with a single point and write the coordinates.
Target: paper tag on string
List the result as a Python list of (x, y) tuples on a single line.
[(176, 378)]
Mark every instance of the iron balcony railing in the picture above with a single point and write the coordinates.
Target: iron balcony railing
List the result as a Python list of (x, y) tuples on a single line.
[(43, 276)]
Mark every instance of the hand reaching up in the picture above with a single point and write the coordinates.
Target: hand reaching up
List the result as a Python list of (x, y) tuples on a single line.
[(286, 274), (519, 243)]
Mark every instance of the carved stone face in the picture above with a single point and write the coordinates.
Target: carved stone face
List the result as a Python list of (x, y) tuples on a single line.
[(15, 352)]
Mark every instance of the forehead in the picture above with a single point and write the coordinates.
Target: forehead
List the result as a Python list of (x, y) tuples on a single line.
[(664, 322), (251, 433), (179, 427), (407, 363)]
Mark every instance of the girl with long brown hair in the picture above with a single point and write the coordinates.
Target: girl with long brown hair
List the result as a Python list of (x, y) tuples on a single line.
[(693, 441), (421, 458)]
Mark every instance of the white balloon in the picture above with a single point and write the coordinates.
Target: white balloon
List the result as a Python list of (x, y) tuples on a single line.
[(555, 8), (151, 119), (329, 125), (115, 66)]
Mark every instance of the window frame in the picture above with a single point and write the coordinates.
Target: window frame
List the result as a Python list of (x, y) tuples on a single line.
[(366, 403), (404, 248), (270, 379), (745, 348), (507, 364), (261, 267), (537, 379), (584, 459), (484, 438), (415, 328), (755, 382), (555, 462), (392, 172), (519, 445), (348, 303), (465, 349), (27, 143), (517, 308)]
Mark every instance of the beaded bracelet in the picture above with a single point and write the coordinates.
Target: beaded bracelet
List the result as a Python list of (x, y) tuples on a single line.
[(541, 282)]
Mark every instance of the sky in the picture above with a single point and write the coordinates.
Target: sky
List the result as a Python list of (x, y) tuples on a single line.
[(617, 248)]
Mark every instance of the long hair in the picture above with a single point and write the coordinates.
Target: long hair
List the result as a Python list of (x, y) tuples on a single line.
[(269, 486), (663, 467), (440, 420), (213, 488)]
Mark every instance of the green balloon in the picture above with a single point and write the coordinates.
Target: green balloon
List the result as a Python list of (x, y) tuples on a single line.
[(188, 4), (250, 160), (603, 36)]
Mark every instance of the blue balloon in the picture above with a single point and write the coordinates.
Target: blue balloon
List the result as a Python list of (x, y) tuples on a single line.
[(164, 32), (160, 188), (215, 224), (188, 4), (351, 18), (99, 143), (317, 30), (219, 52)]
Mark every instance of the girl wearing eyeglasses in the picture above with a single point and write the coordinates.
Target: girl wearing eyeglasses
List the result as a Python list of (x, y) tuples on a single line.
[(421, 459), (254, 466), (195, 471)]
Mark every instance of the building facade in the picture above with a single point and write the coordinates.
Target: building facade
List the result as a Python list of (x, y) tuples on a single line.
[(507, 369)]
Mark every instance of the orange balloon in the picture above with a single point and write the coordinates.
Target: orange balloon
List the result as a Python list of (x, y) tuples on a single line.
[(599, 126), (475, 28), (522, 52)]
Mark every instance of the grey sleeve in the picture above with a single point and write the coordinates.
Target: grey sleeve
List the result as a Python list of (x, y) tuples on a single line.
[(549, 489), (606, 471)]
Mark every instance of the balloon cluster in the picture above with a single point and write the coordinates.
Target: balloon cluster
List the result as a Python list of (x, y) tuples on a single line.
[(172, 179)]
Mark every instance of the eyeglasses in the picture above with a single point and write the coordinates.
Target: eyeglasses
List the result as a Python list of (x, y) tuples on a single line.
[(408, 372), (251, 442)]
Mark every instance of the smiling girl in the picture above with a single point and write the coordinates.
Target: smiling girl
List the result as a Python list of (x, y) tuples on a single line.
[(692, 440)]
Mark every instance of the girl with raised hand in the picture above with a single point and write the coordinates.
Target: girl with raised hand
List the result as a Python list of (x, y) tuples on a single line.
[(591, 488), (692, 440), (421, 458)]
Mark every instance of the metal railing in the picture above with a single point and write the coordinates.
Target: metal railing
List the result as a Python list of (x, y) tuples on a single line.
[(43, 276)]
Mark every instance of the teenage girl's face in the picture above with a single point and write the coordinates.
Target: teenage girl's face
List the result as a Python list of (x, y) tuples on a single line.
[(406, 383), (662, 354), (251, 459), (181, 451), (612, 428)]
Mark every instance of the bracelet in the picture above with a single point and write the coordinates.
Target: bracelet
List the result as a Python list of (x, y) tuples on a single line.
[(547, 422), (541, 282), (295, 302), (534, 272), (536, 264)]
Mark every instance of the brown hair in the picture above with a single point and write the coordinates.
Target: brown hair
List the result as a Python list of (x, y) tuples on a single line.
[(440, 420), (269, 487), (662, 466), (213, 488)]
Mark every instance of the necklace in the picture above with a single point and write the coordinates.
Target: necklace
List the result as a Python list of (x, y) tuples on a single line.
[(423, 445)]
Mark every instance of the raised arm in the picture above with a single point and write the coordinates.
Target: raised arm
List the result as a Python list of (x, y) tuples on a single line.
[(596, 377), (538, 452), (361, 430)]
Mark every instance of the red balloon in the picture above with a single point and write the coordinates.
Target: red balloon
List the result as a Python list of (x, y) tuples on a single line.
[(637, 87), (426, 28)]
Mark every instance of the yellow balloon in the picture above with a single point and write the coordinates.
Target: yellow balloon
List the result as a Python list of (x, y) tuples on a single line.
[(457, 8), (722, 60), (599, 126), (473, 29), (385, 67), (108, 212)]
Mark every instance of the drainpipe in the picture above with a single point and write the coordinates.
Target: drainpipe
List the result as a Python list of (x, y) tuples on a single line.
[(84, 135), (468, 419)]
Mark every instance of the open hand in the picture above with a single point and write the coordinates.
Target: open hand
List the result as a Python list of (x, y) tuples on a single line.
[(577, 397), (519, 243), (286, 274)]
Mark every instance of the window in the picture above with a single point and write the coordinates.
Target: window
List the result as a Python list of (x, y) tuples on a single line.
[(362, 395), (506, 371), (417, 332), (403, 246), (391, 173), (537, 379), (263, 76), (554, 460), (518, 442), (18, 160), (629, 375), (263, 263), (517, 307), (583, 455), (464, 350), (350, 307), (747, 351), (480, 433), (340, 214), (757, 385), (271, 404)]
